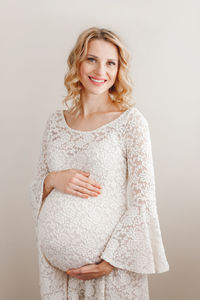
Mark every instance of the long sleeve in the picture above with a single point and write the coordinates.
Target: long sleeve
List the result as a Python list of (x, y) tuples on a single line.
[(41, 172), (136, 242), (52, 280)]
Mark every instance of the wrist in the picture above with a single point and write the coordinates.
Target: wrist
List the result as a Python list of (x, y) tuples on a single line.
[(49, 181)]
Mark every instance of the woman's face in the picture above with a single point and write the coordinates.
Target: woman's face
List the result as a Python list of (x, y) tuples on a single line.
[(98, 70)]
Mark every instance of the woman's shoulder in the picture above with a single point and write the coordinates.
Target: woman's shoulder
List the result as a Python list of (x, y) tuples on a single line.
[(54, 115), (136, 118), (137, 128), (53, 119)]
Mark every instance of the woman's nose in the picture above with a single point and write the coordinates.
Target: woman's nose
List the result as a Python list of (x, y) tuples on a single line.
[(100, 69)]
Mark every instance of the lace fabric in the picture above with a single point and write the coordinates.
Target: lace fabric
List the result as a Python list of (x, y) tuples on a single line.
[(120, 226)]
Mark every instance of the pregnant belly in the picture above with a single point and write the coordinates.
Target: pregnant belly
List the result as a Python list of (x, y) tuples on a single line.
[(74, 231)]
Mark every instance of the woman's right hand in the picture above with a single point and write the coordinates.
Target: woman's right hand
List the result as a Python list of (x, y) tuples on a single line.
[(74, 182)]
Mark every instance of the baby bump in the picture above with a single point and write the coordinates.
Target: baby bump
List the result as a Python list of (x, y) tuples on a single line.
[(74, 231)]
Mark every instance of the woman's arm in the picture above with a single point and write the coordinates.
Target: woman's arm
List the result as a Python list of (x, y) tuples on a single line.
[(48, 185), (136, 243), (52, 281), (37, 187)]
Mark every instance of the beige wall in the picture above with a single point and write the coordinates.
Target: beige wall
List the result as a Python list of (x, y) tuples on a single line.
[(36, 37)]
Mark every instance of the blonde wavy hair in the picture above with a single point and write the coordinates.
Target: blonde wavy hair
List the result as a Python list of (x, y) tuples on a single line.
[(120, 92)]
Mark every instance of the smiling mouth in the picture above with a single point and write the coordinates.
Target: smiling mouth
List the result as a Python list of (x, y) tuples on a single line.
[(97, 80)]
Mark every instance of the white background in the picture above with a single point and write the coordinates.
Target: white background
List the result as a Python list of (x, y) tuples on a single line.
[(163, 38)]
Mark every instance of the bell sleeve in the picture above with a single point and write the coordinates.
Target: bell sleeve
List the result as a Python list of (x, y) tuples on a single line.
[(36, 187), (136, 242), (53, 281)]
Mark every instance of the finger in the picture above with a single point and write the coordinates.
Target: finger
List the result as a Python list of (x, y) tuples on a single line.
[(72, 269), (85, 269), (83, 172), (89, 191), (85, 185), (74, 192), (89, 181), (85, 189)]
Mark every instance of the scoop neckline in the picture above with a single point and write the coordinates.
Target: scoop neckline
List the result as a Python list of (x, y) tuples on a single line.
[(98, 128)]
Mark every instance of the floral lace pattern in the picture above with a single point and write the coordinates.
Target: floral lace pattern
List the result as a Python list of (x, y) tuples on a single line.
[(120, 225)]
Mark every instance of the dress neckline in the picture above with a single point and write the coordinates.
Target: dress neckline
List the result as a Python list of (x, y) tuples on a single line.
[(98, 128)]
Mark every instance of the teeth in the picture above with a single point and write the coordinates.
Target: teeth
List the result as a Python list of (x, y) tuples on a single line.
[(96, 80)]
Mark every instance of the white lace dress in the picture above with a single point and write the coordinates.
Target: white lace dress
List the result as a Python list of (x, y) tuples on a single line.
[(120, 225)]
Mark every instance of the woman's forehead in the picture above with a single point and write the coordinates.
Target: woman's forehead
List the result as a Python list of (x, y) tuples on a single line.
[(102, 49)]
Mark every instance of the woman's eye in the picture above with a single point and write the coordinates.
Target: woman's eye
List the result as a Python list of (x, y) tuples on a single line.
[(91, 59), (111, 63)]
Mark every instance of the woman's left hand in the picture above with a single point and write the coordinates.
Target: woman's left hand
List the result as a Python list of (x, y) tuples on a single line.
[(91, 271)]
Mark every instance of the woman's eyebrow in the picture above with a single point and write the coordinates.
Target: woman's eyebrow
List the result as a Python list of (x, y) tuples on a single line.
[(98, 57)]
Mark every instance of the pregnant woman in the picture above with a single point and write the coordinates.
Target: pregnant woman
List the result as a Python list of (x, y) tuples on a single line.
[(93, 195)]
